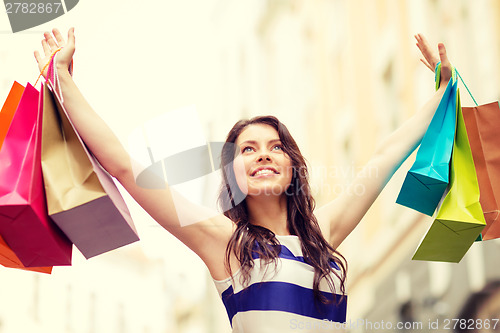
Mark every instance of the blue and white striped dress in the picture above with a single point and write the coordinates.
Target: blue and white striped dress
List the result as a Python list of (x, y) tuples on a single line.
[(281, 300)]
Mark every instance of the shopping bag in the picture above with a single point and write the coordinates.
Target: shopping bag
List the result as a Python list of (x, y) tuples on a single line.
[(24, 223), (9, 108), (482, 128), (9, 259), (82, 198), (428, 177), (460, 219)]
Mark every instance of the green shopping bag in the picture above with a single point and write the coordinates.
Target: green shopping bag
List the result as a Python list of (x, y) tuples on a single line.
[(460, 218)]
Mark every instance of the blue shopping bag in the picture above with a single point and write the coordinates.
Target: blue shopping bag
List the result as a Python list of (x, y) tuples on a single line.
[(427, 179)]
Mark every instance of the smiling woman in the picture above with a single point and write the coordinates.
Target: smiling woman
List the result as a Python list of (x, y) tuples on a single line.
[(271, 254), (275, 224)]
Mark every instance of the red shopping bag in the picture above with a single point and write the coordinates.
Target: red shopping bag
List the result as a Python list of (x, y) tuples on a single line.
[(24, 222)]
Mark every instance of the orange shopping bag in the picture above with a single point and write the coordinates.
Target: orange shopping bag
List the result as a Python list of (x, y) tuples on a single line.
[(9, 108), (482, 128)]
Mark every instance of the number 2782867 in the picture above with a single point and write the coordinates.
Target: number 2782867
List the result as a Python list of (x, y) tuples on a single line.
[(33, 8)]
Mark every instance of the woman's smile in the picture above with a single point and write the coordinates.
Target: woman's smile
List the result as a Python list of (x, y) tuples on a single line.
[(264, 172)]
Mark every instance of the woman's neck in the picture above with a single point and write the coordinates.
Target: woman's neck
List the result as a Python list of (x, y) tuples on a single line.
[(269, 212)]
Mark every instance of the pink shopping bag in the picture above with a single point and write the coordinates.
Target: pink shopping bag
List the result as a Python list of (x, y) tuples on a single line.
[(24, 222)]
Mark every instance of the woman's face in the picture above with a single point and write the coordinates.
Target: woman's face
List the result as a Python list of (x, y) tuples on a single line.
[(262, 167)]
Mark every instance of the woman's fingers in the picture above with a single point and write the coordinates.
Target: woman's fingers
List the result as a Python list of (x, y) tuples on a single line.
[(428, 53), (446, 67), (427, 64), (52, 43), (45, 47), (59, 37), (443, 56), (420, 42), (38, 57), (71, 36), (421, 39)]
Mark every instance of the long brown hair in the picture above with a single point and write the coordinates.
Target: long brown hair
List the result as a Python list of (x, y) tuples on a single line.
[(248, 238)]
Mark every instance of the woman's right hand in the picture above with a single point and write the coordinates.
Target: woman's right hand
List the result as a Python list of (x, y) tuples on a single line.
[(50, 45)]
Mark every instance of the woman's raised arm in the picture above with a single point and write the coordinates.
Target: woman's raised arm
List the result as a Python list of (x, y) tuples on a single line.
[(96, 134), (208, 238), (339, 217)]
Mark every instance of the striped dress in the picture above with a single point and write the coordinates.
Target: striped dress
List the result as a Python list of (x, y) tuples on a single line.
[(281, 300)]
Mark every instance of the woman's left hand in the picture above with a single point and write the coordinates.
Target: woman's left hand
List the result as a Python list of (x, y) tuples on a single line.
[(431, 58)]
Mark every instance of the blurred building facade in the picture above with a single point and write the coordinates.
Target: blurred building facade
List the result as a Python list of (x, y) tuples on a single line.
[(90, 296), (342, 75)]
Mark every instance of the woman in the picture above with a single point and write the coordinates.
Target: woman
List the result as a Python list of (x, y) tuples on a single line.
[(271, 254)]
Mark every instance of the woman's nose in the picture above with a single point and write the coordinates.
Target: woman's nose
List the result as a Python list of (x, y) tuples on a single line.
[(264, 157)]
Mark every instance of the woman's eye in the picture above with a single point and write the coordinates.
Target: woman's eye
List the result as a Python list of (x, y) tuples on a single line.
[(278, 147), (247, 149)]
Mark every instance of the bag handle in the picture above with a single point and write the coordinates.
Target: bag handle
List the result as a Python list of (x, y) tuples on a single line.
[(454, 74), (437, 75), (53, 76), (46, 65), (470, 94)]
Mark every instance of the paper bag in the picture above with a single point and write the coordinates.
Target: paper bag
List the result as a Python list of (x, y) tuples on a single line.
[(9, 259), (427, 179), (482, 124), (460, 219), (81, 196), (24, 223), (9, 108)]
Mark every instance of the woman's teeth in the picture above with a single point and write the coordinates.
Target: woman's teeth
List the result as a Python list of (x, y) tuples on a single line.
[(264, 172)]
